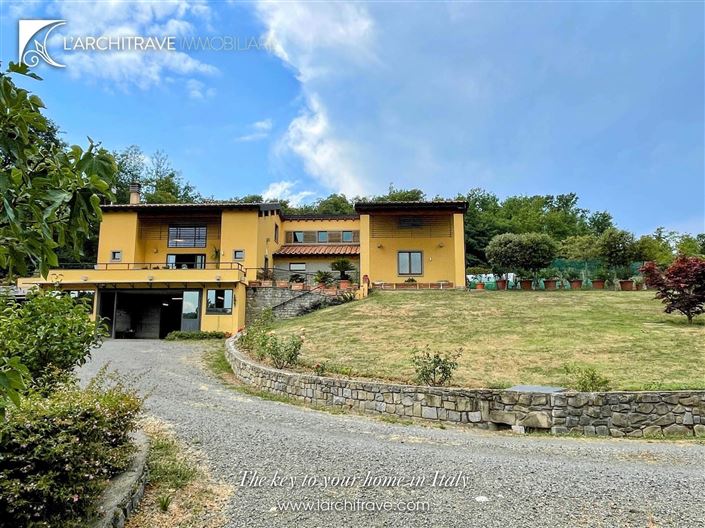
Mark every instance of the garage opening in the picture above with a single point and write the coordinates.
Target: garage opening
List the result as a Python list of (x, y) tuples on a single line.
[(150, 314)]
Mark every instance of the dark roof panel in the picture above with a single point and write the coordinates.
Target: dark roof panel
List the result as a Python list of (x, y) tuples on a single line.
[(440, 205), (206, 206)]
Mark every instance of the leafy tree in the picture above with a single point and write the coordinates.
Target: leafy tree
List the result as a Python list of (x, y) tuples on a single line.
[(681, 287), (579, 247), (654, 248), (521, 252), (616, 247), (335, 204), (599, 222), (50, 197), (689, 246), (401, 195), (482, 223)]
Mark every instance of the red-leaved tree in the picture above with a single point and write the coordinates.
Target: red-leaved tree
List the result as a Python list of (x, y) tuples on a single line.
[(681, 287)]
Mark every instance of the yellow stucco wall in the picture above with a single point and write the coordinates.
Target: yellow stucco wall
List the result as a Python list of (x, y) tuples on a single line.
[(240, 230), (443, 256), (322, 225), (118, 232)]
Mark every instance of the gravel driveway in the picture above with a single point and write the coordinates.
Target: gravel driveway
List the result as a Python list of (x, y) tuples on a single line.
[(483, 479)]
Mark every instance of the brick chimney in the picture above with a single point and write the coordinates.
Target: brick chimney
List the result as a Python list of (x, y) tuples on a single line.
[(135, 193)]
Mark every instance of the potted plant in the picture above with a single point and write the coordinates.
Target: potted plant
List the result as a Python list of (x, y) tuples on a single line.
[(266, 277), (550, 277), (638, 282), (409, 283), (479, 285), (297, 281), (574, 277), (343, 265), (599, 278), (524, 283), (323, 278), (624, 278)]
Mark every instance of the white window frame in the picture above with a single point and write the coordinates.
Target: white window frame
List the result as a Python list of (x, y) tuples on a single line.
[(297, 264), (236, 251), (117, 252)]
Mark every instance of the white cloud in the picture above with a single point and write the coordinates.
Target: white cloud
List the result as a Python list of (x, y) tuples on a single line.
[(320, 42), (259, 130), (198, 90), (324, 156), (284, 190)]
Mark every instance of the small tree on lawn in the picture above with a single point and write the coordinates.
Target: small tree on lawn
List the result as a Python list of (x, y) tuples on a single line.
[(530, 252), (681, 287)]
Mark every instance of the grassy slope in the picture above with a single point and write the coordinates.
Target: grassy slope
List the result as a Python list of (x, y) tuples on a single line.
[(511, 337)]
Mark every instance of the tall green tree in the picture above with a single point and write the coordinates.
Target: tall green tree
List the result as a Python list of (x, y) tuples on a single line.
[(50, 196)]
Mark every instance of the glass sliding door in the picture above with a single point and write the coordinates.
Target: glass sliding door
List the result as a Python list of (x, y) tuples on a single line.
[(191, 311)]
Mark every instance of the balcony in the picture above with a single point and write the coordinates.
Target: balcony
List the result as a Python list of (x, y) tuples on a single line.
[(141, 274)]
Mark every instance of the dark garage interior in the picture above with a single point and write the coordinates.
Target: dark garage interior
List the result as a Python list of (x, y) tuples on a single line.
[(146, 314)]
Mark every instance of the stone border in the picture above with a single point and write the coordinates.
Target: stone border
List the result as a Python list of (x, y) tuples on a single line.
[(125, 491), (626, 413)]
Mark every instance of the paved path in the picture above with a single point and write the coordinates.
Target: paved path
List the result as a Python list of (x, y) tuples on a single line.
[(511, 481)]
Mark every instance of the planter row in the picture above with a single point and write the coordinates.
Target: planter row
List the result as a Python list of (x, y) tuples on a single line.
[(300, 286), (550, 284), (413, 285)]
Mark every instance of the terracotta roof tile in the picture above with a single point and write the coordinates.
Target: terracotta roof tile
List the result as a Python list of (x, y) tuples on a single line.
[(317, 250)]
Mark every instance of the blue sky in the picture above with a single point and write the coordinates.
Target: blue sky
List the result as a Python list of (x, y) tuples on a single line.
[(602, 99)]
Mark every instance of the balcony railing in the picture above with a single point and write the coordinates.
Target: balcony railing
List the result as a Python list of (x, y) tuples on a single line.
[(153, 266)]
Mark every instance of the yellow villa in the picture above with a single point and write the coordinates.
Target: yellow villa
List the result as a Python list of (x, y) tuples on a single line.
[(166, 267)]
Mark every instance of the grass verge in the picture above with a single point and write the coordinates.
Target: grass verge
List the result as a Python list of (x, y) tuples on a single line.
[(180, 492)]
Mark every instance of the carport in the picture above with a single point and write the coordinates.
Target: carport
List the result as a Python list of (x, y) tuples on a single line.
[(149, 313)]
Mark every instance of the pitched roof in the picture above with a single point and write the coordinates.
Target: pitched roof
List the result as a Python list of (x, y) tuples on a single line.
[(438, 205), (205, 206), (316, 216), (317, 250)]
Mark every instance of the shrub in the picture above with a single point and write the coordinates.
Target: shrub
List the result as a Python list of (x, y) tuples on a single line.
[(283, 352), (251, 337), (681, 287), (58, 451), (528, 251), (13, 381), (434, 369), (179, 335), (586, 379), (49, 330)]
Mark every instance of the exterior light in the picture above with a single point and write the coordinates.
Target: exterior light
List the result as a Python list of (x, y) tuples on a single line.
[(150, 278), (379, 246), (84, 278), (217, 277)]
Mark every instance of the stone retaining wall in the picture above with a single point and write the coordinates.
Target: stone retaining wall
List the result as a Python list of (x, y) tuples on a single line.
[(601, 413), (285, 303), (125, 491)]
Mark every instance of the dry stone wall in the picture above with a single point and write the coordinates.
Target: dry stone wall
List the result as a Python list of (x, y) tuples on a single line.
[(633, 414)]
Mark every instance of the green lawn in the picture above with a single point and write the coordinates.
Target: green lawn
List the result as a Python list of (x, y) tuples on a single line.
[(509, 337)]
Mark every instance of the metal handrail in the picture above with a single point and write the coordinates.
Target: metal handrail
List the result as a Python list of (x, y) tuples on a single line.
[(141, 266)]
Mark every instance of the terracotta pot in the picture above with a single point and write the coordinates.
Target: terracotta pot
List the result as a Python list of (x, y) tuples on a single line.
[(525, 284), (598, 284), (626, 285), (268, 283), (549, 284), (480, 286), (576, 284), (501, 284), (282, 284), (254, 283), (297, 285), (344, 284)]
